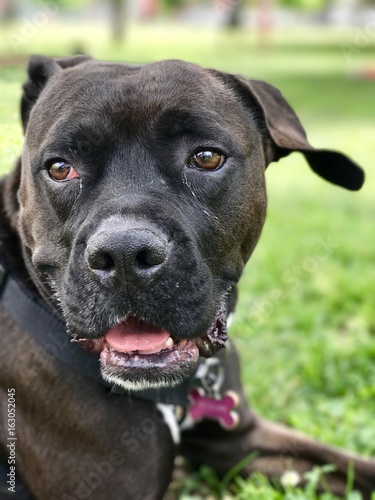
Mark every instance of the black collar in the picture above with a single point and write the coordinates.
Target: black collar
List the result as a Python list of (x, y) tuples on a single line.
[(36, 318)]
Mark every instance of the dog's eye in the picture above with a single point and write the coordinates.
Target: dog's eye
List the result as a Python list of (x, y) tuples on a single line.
[(62, 171), (208, 160)]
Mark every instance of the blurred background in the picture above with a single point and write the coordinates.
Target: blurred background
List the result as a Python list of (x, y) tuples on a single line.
[(305, 323)]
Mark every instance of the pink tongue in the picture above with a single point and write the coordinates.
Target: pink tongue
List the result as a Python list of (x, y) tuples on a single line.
[(136, 335)]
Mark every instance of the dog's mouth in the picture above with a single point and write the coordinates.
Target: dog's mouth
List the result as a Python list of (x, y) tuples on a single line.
[(137, 354)]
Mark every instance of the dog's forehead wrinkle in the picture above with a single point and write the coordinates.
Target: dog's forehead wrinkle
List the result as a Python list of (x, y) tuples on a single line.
[(155, 84), (131, 104), (206, 127)]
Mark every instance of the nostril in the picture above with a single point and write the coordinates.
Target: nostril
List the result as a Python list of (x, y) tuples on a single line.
[(101, 261), (145, 259), (142, 260)]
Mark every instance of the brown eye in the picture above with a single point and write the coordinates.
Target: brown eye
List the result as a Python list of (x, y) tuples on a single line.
[(209, 160), (62, 171)]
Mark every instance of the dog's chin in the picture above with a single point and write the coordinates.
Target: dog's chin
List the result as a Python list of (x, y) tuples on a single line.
[(137, 355)]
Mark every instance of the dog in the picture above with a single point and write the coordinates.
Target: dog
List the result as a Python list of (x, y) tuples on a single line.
[(125, 226)]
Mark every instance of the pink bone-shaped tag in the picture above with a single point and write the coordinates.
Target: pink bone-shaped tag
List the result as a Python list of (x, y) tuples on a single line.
[(214, 409)]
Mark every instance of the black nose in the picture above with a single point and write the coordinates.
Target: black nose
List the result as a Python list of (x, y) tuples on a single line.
[(119, 253)]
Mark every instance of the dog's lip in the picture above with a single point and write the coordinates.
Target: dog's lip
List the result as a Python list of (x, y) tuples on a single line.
[(183, 351), (159, 341)]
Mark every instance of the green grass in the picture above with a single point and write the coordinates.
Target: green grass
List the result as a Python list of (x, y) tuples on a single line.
[(305, 325)]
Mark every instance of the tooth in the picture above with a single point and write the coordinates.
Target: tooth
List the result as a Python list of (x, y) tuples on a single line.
[(169, 343)]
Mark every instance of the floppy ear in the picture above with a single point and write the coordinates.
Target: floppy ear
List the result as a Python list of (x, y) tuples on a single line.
[(40, 70), (287, 134)]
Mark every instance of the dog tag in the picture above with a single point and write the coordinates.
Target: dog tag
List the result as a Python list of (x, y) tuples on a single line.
[(219, 409)]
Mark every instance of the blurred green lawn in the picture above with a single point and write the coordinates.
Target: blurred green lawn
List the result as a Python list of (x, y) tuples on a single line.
[(305, 325)]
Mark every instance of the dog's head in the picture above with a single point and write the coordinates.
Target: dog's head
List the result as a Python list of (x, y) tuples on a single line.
[(141, 198)]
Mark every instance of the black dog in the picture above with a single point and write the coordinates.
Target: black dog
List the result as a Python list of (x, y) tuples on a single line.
[(138, 199)]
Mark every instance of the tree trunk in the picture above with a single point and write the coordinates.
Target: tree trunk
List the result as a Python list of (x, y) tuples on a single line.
[(8, 10), (234, 15), (118, 19)]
